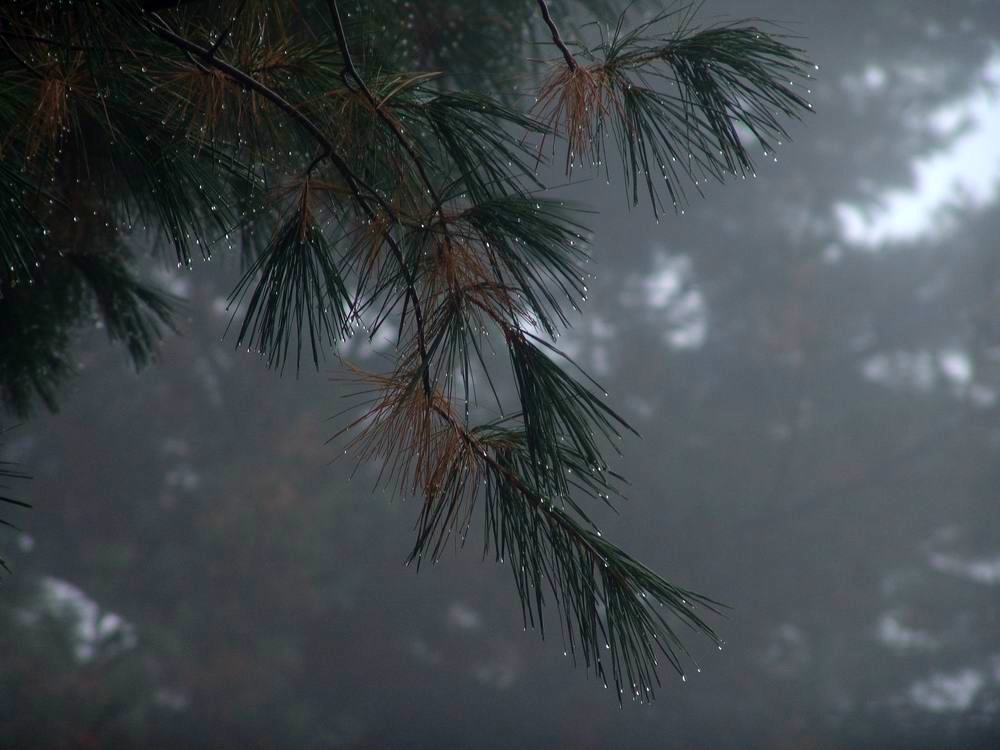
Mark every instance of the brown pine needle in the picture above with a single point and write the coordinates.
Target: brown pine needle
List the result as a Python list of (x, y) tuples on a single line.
[(574, 102)]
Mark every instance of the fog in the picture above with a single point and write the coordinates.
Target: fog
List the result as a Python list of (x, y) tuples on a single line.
[(812, 358)]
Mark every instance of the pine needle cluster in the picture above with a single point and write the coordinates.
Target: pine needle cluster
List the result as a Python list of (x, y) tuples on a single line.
[(366, 193)]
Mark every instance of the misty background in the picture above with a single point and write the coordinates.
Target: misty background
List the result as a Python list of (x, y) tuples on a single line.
[(812, 358)]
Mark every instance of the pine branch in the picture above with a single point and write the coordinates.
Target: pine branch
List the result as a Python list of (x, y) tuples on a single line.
[(383, 115), (421, 202), (607, 603), (472, 131), (539, 245), (21, 229), (526, 473), (163, 30), (556, 410), (709, 84), (328, 152), (300, 289), (132, 312)]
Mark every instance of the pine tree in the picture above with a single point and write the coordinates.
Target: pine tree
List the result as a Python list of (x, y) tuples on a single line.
[(339, 149)]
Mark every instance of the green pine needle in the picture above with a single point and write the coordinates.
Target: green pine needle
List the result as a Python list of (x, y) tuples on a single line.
[(133, 313), (299, 294)]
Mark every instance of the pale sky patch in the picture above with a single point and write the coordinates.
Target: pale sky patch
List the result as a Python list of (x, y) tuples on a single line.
[(667, 291), (897, 635), (965, 174), (984, 570), (91, 630), (942, 693)]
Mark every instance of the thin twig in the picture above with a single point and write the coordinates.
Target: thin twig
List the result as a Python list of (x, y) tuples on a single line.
[(345, 53), (352, 71), (556, 38), (397, 132)]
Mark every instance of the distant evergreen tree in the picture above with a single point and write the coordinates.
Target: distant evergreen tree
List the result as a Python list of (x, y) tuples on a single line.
[(373, 169)]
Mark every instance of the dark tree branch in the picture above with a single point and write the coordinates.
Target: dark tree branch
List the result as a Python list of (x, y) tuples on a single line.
[(397, 132), (556, 38), (345, 53), (529, 494), (354, 183), (163, 30)]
